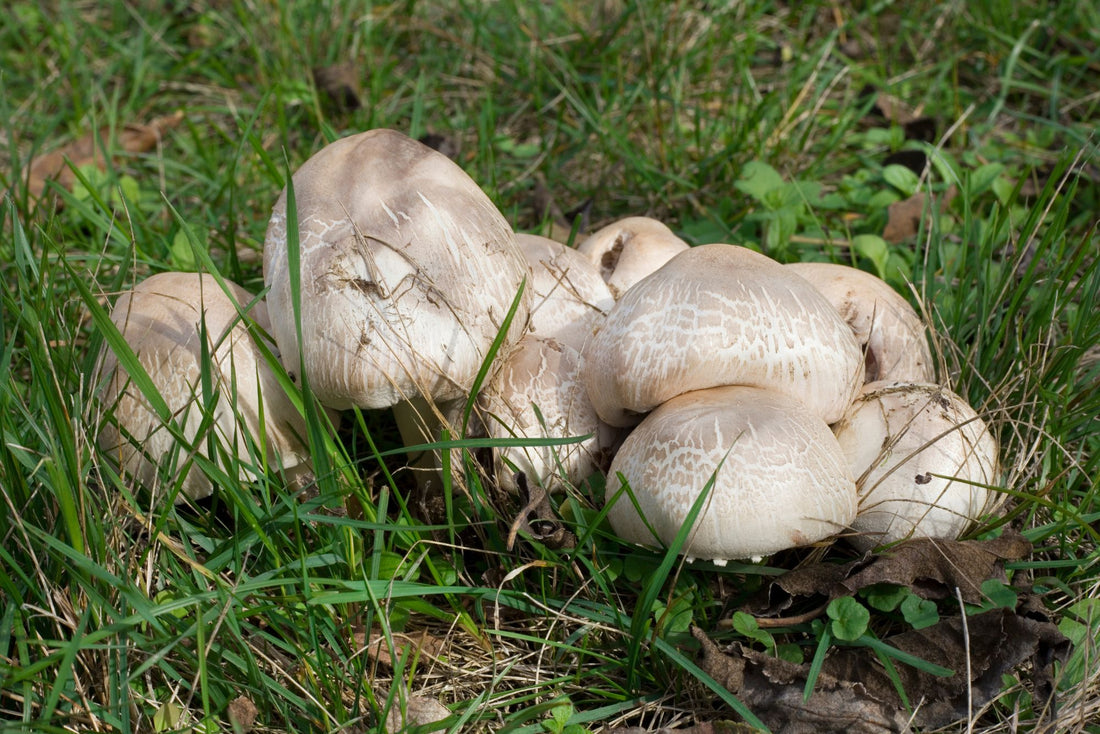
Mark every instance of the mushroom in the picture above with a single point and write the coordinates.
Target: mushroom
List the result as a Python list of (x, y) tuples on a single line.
[(538, 392), (570, 297), (407, 270), (164, 319), (923, 459), (883, 321), (779, 477), (721, 315), (630, 249)]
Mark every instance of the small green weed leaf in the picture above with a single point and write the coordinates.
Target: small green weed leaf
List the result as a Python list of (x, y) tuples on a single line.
[(885, 597), (919, 613), (168, 717), (758, 179), (983, 178), (998, 595), (183, 258), (790, 652), (849, 618), (902, 179), (675, 618), (875, 249), (747, 625)]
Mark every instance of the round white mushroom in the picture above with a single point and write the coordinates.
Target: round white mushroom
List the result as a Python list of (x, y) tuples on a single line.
[(162, 319), (884, 323), (923, 460), (779, 477), (407, 273), (721, 315), (630, 249)]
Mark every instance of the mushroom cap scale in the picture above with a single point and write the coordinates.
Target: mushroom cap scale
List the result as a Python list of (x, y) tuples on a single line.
[(780, 480), (160, 320), (882, 320), (408, 271), (721, 315), (923, 461)]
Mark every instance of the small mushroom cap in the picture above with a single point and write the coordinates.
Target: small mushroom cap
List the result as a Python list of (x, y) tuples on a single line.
[(780, 479), (883, 321), (630, 249), (407, 273), (569, 296), (721, 315), (919, 453), (160, 320), (538, 393)]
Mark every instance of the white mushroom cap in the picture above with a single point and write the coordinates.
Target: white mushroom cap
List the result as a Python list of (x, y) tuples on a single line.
[(919, 453), (721, 315), (630, 249), (160, 320), (883, 321), (780, 479), (407, 272), (538, 393), (568, 293)]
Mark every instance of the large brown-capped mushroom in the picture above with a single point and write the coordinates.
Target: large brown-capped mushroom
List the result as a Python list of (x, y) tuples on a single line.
[(407, 273), (923, 460), (162, 319), (538, 392), (780, 479), (884, 323), (630, 249), (721, 315)]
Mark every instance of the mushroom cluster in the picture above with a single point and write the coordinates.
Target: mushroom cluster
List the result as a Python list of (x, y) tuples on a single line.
[(768, 405)]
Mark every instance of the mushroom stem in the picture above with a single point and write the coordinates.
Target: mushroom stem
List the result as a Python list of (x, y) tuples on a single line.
[(420, 420)]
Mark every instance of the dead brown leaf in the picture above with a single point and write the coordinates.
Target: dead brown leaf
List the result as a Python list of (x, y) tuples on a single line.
[(339, 86), (88, 150), (932, 568), (903, 218), (242, 714), (378, 649), (855, 694), (418, 711)]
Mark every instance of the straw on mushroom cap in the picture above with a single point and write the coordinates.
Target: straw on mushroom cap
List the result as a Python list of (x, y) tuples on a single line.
[(721, 315), (163, 319), (780, 479), (883, 321), (630, 249), (923, 460)]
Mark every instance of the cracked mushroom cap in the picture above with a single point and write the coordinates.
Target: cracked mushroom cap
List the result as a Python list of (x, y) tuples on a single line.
[(569, 296), (721, 315), (160, 320), (884, 323), (407, 272), (780, 479), (630, 249), (919, 453)]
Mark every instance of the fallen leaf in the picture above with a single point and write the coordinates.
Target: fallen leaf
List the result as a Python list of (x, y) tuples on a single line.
[(855, 694), (706, 727), (418, 711), (88, 150), (339, 86), (242, 714), (379, 650), (903, 218), (931, 568)]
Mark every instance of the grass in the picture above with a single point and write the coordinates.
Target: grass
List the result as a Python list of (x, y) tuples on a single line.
[(124, 614)]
